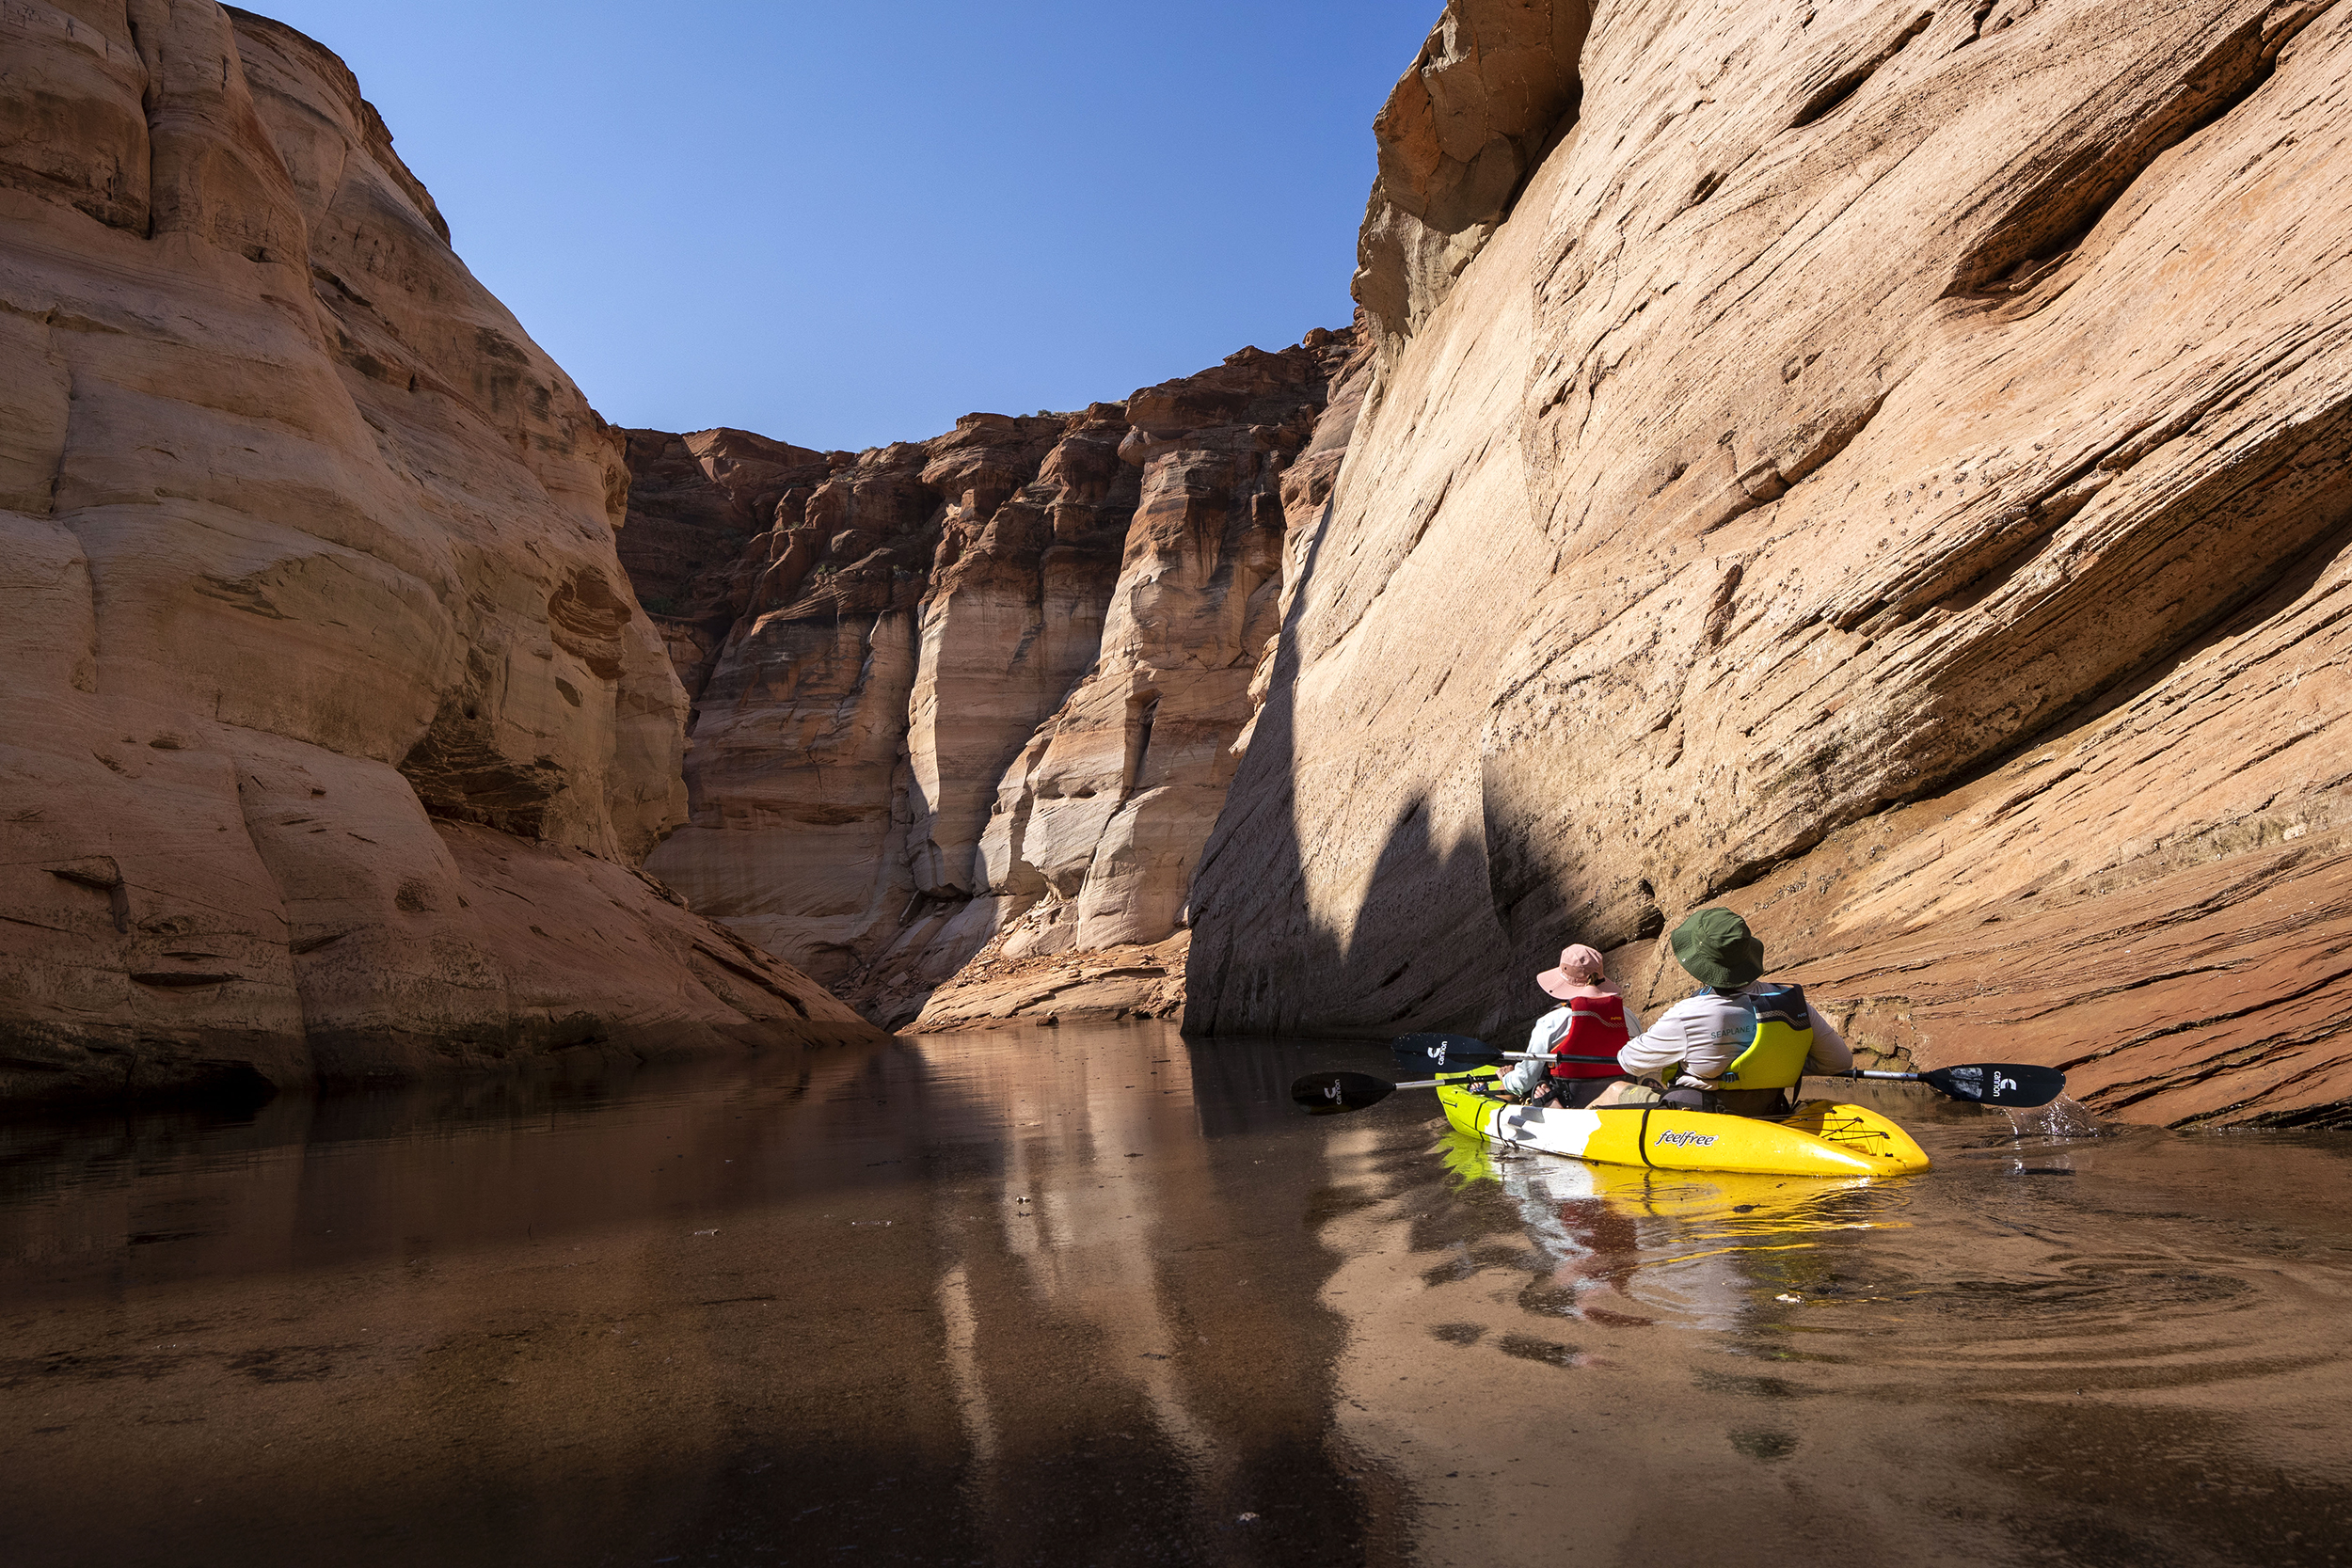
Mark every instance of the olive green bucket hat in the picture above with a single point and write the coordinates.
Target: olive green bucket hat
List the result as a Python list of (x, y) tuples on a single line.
[(1718, 949)]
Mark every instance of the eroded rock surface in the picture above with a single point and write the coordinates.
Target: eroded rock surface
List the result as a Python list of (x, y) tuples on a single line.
[(1887, 472), (979, 692), (1098, 985), (333, 727), (1458, 140)]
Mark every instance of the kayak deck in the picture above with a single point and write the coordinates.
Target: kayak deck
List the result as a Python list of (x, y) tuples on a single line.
[(1820, 1137)]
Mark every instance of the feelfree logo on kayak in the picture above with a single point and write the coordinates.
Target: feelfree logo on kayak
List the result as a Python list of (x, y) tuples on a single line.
[(1687, 1140)]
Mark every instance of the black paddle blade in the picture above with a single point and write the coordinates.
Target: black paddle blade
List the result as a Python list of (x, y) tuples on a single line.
[(1326, 1094), (1426, 1055), (2008, 1083)]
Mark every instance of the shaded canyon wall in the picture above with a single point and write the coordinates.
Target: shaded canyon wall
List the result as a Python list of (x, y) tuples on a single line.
[(965, 709), (1883, 466), (333, 734)]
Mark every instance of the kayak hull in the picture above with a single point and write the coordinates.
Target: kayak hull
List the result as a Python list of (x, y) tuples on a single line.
[(1820, 1137)]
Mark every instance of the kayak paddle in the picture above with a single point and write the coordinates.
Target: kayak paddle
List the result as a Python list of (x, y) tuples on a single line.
[(1324, 1094), (2012, 1084), (1445, 1052), (2007, 1083)]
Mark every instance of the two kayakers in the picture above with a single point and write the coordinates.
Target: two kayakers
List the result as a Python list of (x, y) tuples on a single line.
[(1573, 1049), (1740, 1042), (1735, 1046)]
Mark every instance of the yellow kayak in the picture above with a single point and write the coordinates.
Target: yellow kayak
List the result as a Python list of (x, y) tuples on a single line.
[(1820, 1137)]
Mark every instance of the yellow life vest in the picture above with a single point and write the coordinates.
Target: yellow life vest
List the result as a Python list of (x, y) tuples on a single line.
[(1780, 1038)]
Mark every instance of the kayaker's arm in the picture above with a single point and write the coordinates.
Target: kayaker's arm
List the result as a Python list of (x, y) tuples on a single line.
[(1524, 1079), (1830, 1052)]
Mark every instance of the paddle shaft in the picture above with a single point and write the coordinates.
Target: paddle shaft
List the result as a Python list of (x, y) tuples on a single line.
[(2010, 1085), (1523, 1056), (1538, 1056), (1850, 1072)]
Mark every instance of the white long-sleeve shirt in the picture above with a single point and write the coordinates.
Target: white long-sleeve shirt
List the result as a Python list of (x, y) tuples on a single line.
[(1707, 1032), (1522, 1078)]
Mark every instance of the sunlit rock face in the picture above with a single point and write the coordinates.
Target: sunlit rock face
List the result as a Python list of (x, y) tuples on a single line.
[(1494, 83), (976, 695), (334, 731), (1885, 469)]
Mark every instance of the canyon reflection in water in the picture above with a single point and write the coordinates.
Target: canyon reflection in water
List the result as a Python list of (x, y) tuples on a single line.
[(1100, 1295)]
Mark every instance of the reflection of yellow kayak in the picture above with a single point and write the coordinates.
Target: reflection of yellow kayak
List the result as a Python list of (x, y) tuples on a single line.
[(1820, 1137), (1747, 1198)]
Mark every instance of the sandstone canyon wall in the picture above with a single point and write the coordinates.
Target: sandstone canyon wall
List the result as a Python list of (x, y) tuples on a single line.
[(966, 708), (1880, 465), (332, 731)]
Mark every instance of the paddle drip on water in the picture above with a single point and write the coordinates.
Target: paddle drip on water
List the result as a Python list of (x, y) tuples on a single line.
[(2061, 1120)]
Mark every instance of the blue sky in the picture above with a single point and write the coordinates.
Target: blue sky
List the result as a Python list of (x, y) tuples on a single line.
[(844, 224)]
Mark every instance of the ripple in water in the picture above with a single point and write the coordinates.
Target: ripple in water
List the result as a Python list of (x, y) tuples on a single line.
[(2063, 1120)]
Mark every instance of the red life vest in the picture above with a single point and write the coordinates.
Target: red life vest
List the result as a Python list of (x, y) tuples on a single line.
[(1595, 1034)]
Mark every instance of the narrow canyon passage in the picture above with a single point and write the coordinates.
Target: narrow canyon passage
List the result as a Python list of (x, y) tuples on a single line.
[(1101, 1295)]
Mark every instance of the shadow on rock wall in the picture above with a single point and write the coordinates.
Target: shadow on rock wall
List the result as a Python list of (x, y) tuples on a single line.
[(1886, 473)]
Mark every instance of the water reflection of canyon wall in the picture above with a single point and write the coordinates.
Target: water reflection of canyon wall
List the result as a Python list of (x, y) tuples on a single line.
[(1156, 1297), (785, 1305)]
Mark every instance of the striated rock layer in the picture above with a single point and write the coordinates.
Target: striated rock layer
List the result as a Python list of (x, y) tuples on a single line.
[(976, 696), (1886, 470), (1073, 985), (333, 731)]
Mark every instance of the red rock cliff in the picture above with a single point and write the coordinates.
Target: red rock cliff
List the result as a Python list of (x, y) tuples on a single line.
[(1881, 465), (975, 695), (334, 731)]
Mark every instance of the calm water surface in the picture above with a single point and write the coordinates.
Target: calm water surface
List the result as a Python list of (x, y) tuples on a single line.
[(1102, 1296)]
